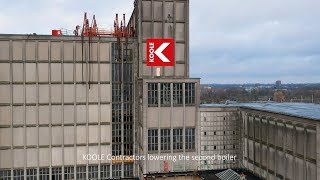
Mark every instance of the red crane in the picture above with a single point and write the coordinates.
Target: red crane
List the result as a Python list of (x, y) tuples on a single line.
[(120, 30)]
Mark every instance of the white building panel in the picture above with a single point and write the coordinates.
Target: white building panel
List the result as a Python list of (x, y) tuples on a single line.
[(44, 138), (56, 114), (81, 150), (44, 157), (17, 50), (68, 114), (57, 135), (69, 154), (6, 158), (43, 72), (56, 156), (32, 136), (32, 157), (31, 115), (69, 135), (5, 137), (18, 158), (18, 138), (81, 135), (93, 134), (5, 116)]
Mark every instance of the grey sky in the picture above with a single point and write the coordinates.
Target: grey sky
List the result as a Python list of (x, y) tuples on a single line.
[(232, 41)]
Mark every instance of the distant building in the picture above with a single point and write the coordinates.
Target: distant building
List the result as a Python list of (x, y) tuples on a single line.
[(278, 83)]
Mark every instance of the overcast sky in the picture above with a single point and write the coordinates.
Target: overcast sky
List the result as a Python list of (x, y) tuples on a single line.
[(232, 41)]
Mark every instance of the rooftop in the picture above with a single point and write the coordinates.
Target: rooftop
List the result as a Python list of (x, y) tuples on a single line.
[(303, 110)]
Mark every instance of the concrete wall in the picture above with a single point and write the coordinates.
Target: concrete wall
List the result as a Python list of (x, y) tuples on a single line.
[(163, 19), (220, 134), (167, 117), (277, 146), (53, 107)]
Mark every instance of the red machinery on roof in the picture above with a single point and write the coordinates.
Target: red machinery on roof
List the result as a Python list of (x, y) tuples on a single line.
[(120, 30)]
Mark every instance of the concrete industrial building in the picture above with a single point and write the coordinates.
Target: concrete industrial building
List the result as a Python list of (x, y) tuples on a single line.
[(272, 140), (65, 97)]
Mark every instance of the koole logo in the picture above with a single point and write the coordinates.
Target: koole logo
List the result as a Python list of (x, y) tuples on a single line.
[(160, 52)]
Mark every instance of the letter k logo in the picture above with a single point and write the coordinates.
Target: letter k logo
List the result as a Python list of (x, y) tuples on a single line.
[(160, 52)]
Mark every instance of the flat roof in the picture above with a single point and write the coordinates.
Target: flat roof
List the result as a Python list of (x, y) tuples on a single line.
[(303, 110), (5, 37)]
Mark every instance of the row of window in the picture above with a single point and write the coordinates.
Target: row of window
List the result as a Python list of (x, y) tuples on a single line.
[(127, 92), (205, 147), (165, 94), (165, 139), (125, 76), (118, 51), (70, 173), (220, 133)]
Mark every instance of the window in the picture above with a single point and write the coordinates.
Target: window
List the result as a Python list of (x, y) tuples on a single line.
[(177, 94), (233, 132), (44, 173), (127, 133), (104, 171), (153, 140), (190, 93), (153, 94), (214, 147), (128, 139), (116, 149), (81, 172), (127, 55), (127, 72), (128, 149), (177, 139), (116, 52), (116, 92), (165, 139), (116, 170), (93, 172), (127, 93), (18, 174), (127, 112), (56, 173), (224, 133), (165, 95), (116, 112), (116, 74), (68, 173), (5, 174), (205, 147), (31, 174), (190, 139), (214, 133), (128, 170), (205, 133), (116, 132)]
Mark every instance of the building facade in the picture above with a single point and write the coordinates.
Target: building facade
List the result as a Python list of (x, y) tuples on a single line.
[(272, 140), (62, 98), (219, 134)]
